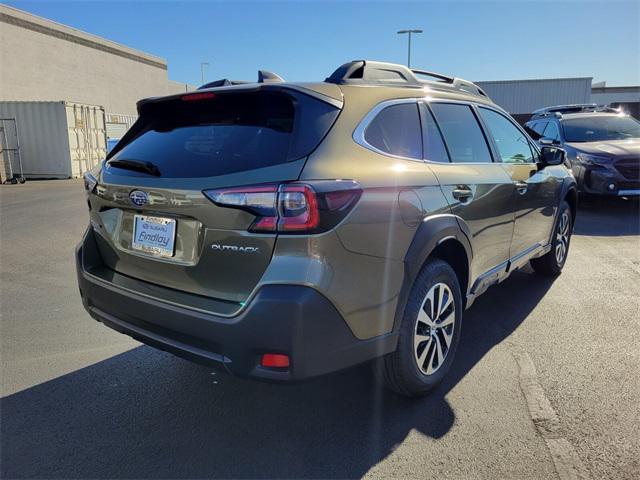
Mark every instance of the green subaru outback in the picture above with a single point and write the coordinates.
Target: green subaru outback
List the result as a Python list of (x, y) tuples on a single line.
[(287, 230)]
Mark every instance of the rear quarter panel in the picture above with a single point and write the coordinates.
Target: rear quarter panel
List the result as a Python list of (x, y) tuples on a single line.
[(363, 267)]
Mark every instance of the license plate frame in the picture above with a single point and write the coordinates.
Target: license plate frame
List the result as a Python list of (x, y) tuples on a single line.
[(159, 237)]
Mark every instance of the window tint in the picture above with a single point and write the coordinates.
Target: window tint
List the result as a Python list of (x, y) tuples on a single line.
[(461, 133), (600, 128), (226, 134), (434, 149), (512, 144), (396, 130), (552, 131)]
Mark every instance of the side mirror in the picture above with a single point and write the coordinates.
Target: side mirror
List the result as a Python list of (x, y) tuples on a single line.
[(551, 156), (548, 141)]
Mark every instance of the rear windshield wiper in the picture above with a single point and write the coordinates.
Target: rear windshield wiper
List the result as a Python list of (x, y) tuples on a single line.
[(137, 165)]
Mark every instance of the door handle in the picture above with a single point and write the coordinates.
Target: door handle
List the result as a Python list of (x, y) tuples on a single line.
[(462, 193), (521, 187)]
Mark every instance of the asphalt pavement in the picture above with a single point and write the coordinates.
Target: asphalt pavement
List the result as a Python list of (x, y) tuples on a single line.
[(546, 382)]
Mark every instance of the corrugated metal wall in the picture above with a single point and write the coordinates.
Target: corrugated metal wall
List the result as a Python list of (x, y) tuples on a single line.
[(86, 130), (44, 143), (525, 96), (57, 139), (118, 124)]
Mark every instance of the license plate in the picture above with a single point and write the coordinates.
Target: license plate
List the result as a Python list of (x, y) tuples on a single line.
[(154, 235)]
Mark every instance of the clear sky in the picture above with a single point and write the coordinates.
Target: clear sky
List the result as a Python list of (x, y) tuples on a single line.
[(308, 40)]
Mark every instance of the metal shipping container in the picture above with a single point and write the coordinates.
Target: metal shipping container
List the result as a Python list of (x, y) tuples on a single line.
[(117, 124), (58, 139)]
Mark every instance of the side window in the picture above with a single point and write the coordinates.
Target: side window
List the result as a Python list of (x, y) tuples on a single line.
[(538, 127), (512, 144), (552, 131), (535, 129), (396, 130), (461, 132), (434, 149)]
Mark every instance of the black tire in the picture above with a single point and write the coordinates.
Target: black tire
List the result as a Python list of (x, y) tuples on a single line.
[(400, 370), (22, 180), (550, 264)]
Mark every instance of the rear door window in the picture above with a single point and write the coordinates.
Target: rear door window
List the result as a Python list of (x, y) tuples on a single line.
[(462, 133), (226, 133), (434, 148), (396, 131)]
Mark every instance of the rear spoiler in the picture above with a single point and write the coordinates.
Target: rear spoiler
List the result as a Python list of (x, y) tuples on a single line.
[(243, 87), (264, 76)]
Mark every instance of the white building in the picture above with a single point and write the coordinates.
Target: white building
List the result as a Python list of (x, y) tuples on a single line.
[(521, 97), (44, 61)]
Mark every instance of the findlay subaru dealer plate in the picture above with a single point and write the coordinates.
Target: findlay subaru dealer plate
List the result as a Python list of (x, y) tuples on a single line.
[(154, 235)]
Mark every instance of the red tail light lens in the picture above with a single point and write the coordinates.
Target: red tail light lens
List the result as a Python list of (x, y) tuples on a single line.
[(275, 360), (198, 96), (298, 207), (291, 207)]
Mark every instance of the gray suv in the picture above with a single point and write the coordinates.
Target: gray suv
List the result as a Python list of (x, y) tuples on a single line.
[(602, 146), (282, 231)]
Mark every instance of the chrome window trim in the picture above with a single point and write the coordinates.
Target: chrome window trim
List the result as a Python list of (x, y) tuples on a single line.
[(359, 133)]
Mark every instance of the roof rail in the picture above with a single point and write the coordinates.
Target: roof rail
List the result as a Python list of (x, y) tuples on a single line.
[(264, 76), (558, 110), (367, 72)]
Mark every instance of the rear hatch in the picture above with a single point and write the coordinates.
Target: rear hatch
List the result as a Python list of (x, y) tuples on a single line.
[(152, 218)]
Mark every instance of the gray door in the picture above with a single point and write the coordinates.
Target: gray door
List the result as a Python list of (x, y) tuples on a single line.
[(479, 191)]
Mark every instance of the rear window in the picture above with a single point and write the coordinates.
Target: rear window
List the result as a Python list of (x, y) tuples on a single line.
[(229, 133)]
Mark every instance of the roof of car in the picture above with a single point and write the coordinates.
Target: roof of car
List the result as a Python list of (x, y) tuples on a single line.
[(569, 116), (370, 81)]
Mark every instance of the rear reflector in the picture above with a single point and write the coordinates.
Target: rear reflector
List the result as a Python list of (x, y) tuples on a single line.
[(275, 360)]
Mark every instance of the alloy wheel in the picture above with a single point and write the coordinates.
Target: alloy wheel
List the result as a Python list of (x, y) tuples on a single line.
[(434, 328), (562, 238)]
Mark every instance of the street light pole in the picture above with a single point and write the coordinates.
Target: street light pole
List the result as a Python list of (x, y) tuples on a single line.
[(202, 65), (409, 32)]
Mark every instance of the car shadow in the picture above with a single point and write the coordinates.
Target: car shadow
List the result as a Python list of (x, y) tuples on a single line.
[(147, 414), (608, 217)]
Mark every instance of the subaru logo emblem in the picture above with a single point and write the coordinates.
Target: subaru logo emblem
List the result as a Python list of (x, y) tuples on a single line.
[(139, 198)]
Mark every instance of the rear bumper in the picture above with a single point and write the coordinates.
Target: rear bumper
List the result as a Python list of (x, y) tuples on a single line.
[(294, 320)]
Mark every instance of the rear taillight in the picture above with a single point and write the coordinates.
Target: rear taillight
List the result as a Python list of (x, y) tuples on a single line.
[(291, 207), (297, 208), (191, 97)]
